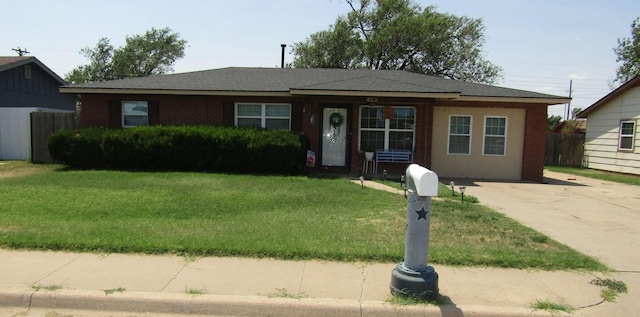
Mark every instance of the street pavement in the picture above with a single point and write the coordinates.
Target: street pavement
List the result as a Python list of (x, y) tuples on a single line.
[(597, 218)]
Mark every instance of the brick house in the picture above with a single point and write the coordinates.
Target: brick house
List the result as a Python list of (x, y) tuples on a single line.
[(458, 129)]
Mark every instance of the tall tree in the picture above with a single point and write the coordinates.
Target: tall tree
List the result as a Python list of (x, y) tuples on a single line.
[(552, 122), (397, 34), (153, 53), (628, 53)]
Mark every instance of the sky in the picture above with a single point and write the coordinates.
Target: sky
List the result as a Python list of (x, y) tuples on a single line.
[(540, 45)]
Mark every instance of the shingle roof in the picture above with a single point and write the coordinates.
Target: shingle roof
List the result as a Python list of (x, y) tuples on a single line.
[(313, 81), (9, 62)]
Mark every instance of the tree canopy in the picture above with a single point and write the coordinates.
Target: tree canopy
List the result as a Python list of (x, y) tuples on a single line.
[(153, 53), (397, 34), (628, 53)]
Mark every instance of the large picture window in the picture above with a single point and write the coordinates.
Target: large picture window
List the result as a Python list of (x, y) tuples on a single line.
[(264, 115), (395, 132), (627, 133), (135, 113), (495, 135), (459, 135)]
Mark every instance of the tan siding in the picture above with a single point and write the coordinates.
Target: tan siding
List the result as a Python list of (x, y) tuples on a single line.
[(477, 165)]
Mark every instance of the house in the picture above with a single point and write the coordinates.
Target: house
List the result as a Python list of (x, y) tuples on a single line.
[(458, 129), (575, 127), (612, 133), (26, 85)]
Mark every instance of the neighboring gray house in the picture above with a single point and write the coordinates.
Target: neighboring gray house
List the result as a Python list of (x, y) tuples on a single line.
[(611, 142), (26, 85)]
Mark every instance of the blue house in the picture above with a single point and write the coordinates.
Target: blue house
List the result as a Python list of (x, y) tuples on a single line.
[(26, 85)]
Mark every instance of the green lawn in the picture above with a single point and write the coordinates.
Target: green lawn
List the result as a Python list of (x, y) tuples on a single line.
[(603, 175), (271, 216)]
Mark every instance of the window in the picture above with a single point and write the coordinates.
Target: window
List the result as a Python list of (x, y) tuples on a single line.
[(627, 132), (264, 115), (396, 132), (459, 135), (495, 132), (27, 71), (135, 113)]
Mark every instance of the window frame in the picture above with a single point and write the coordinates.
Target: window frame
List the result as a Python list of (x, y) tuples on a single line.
[(387, 127), (469, 135), (263, 113), (504, 136), (123, 114), (27, 71), (627, 136)]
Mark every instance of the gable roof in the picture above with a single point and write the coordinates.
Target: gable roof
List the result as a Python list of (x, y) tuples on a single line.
[(635, 82), (311, 81), (10, 62)]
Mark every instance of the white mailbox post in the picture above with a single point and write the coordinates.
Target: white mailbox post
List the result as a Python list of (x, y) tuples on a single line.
[(414, 277)]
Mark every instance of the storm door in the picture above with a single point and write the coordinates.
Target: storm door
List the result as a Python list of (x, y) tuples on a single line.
[(334, 137)]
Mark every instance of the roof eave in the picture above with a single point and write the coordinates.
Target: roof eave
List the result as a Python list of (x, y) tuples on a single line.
[(359, 93), (313, 92), (32, 59), (120, 91), (547, 101), (620, 90)]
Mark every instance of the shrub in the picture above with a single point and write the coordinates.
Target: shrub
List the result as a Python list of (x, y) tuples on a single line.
[(186, 148), (80, 148)]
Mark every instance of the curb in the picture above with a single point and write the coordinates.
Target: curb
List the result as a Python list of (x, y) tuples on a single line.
[(168, 303)]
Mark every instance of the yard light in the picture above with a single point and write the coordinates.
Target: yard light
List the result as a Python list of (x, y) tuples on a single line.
[(384, 174), (403, 185), (452, 184), (462, 188), (362, 181)]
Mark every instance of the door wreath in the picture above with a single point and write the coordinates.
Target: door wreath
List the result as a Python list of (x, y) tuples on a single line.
[(335, 121)]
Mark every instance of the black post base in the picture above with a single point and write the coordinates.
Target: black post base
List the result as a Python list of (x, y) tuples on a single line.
[(419, 284)]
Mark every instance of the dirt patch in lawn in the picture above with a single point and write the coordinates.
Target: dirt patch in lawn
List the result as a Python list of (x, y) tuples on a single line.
[(9, 169)]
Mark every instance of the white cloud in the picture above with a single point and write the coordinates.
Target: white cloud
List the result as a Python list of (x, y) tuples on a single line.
[(546, 89), (582, 75)]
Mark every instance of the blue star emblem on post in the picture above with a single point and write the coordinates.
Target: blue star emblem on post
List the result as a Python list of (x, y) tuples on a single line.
[(422, 214)]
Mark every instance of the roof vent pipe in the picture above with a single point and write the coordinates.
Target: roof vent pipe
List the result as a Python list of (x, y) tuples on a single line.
[(282, 58)]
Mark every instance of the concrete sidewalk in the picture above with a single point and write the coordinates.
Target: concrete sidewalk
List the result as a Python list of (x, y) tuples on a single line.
[(34, 283)]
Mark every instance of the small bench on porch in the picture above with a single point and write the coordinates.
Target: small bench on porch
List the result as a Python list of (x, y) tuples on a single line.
[(393, 156)]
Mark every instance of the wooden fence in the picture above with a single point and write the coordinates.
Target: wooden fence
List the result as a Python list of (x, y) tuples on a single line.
[(564, 150), (43, 124)]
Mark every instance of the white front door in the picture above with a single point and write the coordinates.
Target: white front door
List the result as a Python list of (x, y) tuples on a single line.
[(334, 137)]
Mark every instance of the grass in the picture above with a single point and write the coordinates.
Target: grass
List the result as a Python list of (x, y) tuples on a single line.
[(48, 288), (603, 175), (403, 300), (197, 214), (114, 290), (284, 293), (195, 291), (551, 306)]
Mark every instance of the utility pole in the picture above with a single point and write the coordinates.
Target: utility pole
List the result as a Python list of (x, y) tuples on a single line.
[(569, 104), (20, 51)]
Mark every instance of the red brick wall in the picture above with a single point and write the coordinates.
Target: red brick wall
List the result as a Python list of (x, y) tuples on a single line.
[(422, 153), (209, 110), (94, 111), (534, 143)]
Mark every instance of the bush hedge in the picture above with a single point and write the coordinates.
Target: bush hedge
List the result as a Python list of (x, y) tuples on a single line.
[(183, 148)]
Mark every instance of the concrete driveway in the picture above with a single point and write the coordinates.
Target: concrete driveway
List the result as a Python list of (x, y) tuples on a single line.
[(598, 218)]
